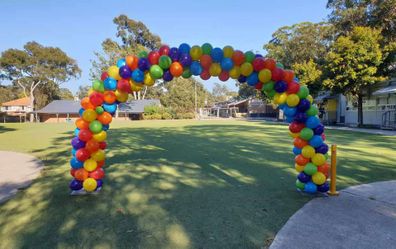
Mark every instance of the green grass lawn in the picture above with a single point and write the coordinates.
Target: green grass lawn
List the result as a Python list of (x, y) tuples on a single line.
[(174, 184)]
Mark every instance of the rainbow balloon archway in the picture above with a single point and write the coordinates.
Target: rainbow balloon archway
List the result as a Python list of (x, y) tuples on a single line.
[(132, 73)]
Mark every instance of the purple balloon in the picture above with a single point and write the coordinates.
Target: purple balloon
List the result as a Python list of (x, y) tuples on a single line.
[(300, 117), (324, 187), (319, 129), (322, 149), (174, 54), (303, 105), (302, 177), (75, 185), (280, 86), (99, 184), (242, 79), (125, 72), (258, 56), (185, 60), (143, 64), (77, 143), (167, 76)]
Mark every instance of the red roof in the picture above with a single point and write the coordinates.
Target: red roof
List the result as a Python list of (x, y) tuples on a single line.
[(18, 102)]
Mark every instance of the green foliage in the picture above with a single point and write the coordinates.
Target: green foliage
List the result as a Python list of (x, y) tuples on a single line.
[(245, 91), (9, 92), (310, 74), (221, 92), (65, 93), (158, 112), (82, 91)]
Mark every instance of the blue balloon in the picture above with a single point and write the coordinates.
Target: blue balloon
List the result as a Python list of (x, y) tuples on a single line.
[(303, 105), (137, 75), (312, 122), (280, 86), (296, 151), (322, 149), (81, 111), (174, 54), (196, 68), (282, 106), (290, 111), (300, 117), (227, 64), (184, 48), (324, 187), (316, 141), (121, 63), (73, 152), (289, 119), (258, 56), (310, 188), (144, 64), (75, 185), (167, 76), (252, 79), (125, 72), (110, 108), (77, 143), (217, 54), (99, 183), (106, 127), (185, 60), (76, 164), (302, 177), (319, 129), (110, 83), (76, 132), (296, 80), (242, 79)]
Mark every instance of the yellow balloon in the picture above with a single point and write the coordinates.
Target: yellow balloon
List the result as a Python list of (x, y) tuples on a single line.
[(228, 51), (135, 87), (292, 100), (280, 98), (98, 155), (294, 135), (90, 165), (121, 96), (90, 91), (319, 178), (308, 151), (299, 168), (235, 72), (100, 137), (265, 75), (148, 80), (196, 52), (113, 72), (89, 115), (215, 69), (318, 159), (246, 69), (90, 184), (310, 98)]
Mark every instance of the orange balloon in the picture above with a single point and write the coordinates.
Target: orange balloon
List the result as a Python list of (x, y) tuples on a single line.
[(86, 104), (129, 60), (105, 118), (288, 76), (270, 64), (82, 124), (300, 160), (92, 145), (300, 143), (81, 174), (176, 69), (324, 168), (109, 97), (238, 57)]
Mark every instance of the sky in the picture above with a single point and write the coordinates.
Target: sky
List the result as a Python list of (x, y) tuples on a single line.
[(79, 27)]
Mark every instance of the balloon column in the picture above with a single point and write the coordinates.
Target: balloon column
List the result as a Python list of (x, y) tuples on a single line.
[(132, 73)]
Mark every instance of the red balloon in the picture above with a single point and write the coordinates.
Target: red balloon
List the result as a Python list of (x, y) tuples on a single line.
[(299, 142), (72, 172), (270, 64), (277, 74), (102, 145), (293, 87), (104, 76), (85, 135), (205, 75), (97, 174), (101, 164), (224, 76), (164, 50), (258, 86), (323, 136), (296, 127), (96, 99), (258, 64), (288, 75), (300, 160), (82, 154), (153, 57), (206, 61), (124, 86), (92, 145), (238, 57), (324, 169)]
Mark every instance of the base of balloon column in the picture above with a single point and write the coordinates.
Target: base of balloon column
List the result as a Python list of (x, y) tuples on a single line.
[(83, 192), (316, 194)]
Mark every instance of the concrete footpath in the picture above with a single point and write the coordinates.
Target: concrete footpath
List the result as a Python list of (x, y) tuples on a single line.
[(17, 171), (362, 217)]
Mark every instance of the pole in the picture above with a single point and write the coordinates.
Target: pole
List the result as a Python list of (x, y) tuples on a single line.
[(333, 176)]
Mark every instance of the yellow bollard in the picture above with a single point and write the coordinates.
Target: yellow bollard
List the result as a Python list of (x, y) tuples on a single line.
[(333, 183)]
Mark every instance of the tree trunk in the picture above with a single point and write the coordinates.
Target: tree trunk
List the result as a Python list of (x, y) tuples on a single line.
[(360, 110), (32, 104)]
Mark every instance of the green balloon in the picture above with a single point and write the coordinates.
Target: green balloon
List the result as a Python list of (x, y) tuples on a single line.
[(99, 110), (280, 65), (312, 111), (186, 73), (165, 62), (306, 133), (268, 86), (95, 126), (143, 54), (271, 93), (206, 48), (310, 169), (303, 92), (156, 71), (249, 56), (97, 85), (300, 185)]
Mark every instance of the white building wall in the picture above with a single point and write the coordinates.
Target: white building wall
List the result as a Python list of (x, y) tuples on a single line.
[(16, 109)]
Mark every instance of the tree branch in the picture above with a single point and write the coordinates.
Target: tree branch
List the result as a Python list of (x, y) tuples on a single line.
[(23, 87)]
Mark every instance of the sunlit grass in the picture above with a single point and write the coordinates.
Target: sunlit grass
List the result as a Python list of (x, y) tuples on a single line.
[(174, 184)]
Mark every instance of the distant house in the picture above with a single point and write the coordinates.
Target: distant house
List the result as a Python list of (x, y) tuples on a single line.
[(67, 110), (16, 110)]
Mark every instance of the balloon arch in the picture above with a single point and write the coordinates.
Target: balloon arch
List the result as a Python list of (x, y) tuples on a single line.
[(132, 73)]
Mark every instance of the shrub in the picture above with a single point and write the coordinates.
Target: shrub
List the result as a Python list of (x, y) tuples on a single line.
[(186, 115), (167, 115)]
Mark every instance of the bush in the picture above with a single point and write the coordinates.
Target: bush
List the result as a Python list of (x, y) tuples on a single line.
[(167, 115), (186, 115), (157, 112), (152, 116)]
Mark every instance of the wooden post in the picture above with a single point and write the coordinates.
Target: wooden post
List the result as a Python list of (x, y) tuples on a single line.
[(333, 176)]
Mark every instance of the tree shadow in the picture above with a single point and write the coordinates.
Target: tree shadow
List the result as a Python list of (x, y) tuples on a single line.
[(4, 129)]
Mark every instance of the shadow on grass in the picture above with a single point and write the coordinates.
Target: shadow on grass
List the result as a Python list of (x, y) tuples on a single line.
[(206, 186), (5, 129)]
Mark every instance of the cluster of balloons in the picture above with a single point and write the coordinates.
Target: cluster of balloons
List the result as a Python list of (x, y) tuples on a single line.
[(132, 73)]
